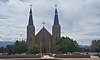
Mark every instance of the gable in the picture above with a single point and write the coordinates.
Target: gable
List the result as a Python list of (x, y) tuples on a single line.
[(43, 34), (43, 31)]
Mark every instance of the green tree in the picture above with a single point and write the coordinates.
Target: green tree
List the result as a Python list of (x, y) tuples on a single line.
[(20, 47), (34, 49), (57, 47), (3, 50), (10, 49), (65, 44), (95, 46)]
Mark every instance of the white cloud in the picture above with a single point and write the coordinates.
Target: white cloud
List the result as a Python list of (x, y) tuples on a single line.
[(79, 18)]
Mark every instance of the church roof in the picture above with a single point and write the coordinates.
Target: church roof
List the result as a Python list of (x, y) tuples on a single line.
[(42, 31)]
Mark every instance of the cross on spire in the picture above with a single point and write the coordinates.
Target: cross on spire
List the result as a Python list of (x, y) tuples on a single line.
[(30, 6), (56, 5), (43, 23)]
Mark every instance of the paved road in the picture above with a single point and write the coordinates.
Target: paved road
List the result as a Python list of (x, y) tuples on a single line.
[(92, 58), (61, 59), (82, 59)]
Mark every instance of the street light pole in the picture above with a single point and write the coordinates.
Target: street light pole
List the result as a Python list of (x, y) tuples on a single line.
[(49, 48), (41, 48), (82, 47)]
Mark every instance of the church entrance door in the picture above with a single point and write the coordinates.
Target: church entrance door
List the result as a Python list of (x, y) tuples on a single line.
[(43, 49)]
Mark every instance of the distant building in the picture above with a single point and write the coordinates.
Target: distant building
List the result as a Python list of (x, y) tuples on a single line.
[(43, 38)]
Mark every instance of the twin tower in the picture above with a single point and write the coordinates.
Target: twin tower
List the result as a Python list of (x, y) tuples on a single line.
[(43, 38)]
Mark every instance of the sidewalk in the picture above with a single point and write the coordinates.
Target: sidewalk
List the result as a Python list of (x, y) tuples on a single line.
[(94, 56)]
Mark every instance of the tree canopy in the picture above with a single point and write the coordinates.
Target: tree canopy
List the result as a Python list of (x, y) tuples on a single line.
[(95, 45), (65, 44), (34, 49), (3, 50), (20, 47), (10, 49)]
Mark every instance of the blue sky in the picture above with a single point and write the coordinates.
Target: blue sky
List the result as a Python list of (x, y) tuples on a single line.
[(79, 19)]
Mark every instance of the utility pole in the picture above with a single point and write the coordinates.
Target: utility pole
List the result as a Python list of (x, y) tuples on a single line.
[(82, 47), (49, 47), (41, 49)]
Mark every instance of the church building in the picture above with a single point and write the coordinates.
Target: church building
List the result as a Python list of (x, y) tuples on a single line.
[(43, 38)]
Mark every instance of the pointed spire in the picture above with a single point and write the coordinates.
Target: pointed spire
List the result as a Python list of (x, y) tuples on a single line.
[(30, 23), (56, 20)]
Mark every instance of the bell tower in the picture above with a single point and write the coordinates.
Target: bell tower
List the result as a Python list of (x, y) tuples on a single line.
[(30, 29), (56, 30)]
